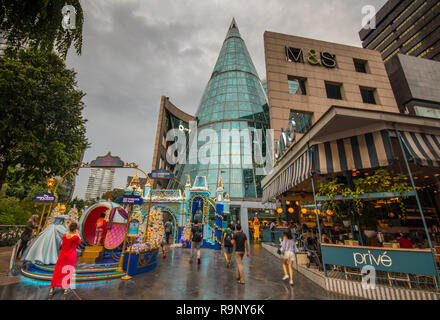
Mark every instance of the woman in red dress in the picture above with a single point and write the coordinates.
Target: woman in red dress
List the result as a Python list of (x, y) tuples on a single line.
[(65, 265)]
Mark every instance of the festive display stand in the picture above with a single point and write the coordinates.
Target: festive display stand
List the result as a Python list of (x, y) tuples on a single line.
[(140, 262)]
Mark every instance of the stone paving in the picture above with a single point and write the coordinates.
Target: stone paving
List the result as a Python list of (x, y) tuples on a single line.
[(175, 278)]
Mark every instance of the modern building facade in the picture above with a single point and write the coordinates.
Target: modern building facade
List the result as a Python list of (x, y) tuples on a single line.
[(410, 27), (100, 181), (344, 109)]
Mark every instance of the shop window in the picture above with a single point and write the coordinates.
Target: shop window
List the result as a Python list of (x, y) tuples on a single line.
[(333, 90), (360, 65), (296, 85), (368, 95), (303, 121)]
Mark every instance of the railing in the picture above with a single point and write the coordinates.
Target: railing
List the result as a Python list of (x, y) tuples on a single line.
[(9, 235)]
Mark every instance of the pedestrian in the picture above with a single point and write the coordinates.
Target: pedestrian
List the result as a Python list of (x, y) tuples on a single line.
[(168, 230), (289, 250), (100, 226), (31, 225), (196, 239), (228, 246), (239, 240), (65, 266), (272, 231)]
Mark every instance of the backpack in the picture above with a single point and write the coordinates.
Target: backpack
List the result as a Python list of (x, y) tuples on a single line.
[(228, 239), (197, 235)]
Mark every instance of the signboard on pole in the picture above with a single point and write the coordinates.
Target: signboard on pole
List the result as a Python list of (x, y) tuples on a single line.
[(161, 174), (45, 197), (132, 199)]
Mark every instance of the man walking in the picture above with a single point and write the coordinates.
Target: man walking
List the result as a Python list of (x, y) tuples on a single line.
[(239, 240), (196, 239), (168, 230)]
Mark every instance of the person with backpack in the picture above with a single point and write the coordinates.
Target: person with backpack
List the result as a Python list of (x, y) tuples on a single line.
[(196, 240), (228, 246), (168, 230)]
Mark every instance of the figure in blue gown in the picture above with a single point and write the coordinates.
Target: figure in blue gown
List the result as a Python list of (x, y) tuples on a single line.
[(46, 247)]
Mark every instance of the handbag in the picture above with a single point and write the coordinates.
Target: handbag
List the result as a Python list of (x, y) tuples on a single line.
[(279, 251)]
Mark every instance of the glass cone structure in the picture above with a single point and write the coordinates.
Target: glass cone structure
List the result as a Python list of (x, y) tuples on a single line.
[(234, 98)]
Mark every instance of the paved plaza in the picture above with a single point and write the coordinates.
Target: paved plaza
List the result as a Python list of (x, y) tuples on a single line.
[(175, 278)]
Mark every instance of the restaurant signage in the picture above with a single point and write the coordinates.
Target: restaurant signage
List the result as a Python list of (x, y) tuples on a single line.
[(45, 197), (131, 199), (412, 261), (285, 139), (297, 55)]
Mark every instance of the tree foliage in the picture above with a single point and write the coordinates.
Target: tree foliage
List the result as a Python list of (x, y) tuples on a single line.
[(42, 130), (39, 24)]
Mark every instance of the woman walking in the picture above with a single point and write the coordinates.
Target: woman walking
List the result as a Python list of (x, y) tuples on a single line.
[(289, 250), (31, 224), (65, 265)]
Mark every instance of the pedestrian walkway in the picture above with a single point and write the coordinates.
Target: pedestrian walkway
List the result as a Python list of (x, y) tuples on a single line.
[(175, 278)]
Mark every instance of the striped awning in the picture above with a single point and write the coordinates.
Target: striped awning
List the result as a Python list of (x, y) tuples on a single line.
[(371, 150), (293, 175), (424, 149)]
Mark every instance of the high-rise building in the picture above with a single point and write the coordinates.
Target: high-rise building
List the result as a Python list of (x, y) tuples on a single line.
[(407, 34), (410, 27), (100, 181)]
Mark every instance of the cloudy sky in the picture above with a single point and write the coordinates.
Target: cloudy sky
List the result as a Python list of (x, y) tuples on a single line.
[(135, 51)]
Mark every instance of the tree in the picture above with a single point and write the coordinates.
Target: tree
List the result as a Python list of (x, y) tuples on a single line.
[(42, 130), (39, 24)]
